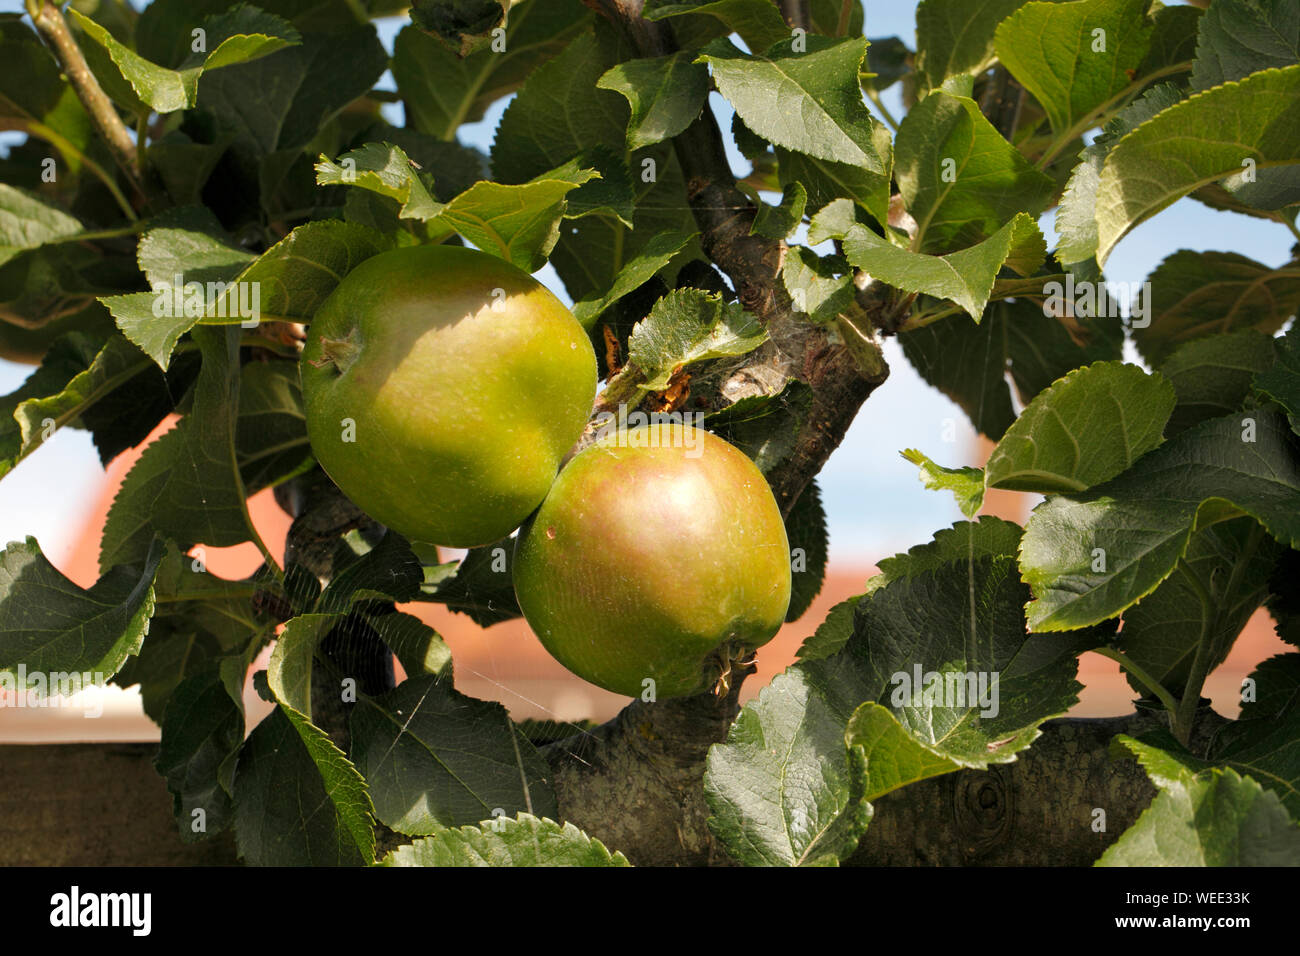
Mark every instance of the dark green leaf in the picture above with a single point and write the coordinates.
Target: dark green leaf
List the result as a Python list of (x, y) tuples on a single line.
[(435, 758), (298, 801), (805, 528), (52, 631), (1090, 555)]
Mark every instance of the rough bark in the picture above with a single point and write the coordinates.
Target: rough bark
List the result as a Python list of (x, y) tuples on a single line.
[(636, 783), (1039, 811)]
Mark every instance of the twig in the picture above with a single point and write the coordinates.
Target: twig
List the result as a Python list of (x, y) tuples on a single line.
[(1142, 675), (795, 13), (53, 28)]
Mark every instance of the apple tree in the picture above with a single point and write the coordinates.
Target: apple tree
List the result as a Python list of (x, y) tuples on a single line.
[(197, 177)]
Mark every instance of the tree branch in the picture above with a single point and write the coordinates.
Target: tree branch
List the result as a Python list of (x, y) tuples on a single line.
[(795, 13), (1041, 810), (797, 348), (53, 29)]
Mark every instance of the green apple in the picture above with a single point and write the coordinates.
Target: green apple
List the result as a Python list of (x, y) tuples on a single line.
[(442, 387), (659, 555)]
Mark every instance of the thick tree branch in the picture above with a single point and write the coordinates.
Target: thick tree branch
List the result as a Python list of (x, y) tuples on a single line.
[(1042, 810)]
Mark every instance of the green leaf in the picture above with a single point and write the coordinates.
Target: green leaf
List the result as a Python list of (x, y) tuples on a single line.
[(522, 841), (894, 757), (183, 165), (75, 375), (832, 634), (271, 431), (1282, 382), (1076, 215), (1235, 39), (946, 651), (777, 222), (560, 115), (805, 528), (1090, 555), (27, 222), (1199, 294), (1205, 138), (463, 25), (384, 169), (1051, 48), (1217, 818), (35, 98), (202, 733), (820, 287), (559, 112), (757, 22), (1162, 632), (965, 276), (782, 789), (1212, 376), (966, 484), (186, 485), (825, 181), (1240, 37), (479, 585), (52, 631), (191, 243), (418, 647), (889, 61), (1262, 743), (297, 273), (1085, 429), (959, 178), (389, 571), (199, 621), (298, 800), (1173, 40), (665, 95), (288, 281), (141, 86), (965, 541), (688, 326), (518, 223), (1265, 741), (294, 92), (969, 362), (435, 758), (956, 37), (441, 90), (636, 272), (809, 102)]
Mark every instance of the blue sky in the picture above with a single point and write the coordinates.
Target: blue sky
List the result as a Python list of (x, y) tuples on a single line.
[(874, 501)]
